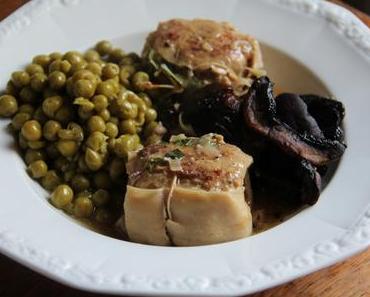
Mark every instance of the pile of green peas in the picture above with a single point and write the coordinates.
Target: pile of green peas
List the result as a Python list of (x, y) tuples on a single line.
[(76, 117)]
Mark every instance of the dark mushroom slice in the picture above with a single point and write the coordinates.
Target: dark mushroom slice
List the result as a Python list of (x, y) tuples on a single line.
[(214, 109), (283, 180), (328, 113), (287, 122)]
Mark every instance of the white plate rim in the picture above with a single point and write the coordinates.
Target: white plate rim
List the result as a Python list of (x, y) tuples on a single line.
[(324, 254)]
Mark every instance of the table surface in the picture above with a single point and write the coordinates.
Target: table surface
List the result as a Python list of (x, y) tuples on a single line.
[(350, 278)]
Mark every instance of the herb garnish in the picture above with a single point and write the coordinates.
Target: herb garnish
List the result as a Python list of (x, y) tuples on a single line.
[(154, 162), (175, 155)]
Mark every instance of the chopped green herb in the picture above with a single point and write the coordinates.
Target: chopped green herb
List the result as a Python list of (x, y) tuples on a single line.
[(154, 162), (175, 154)]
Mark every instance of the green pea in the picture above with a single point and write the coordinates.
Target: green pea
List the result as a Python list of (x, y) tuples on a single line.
[(128, 127), (128, 110), (62, 196), (73, 57), (42, 60), (19, 119), (97, 142), (150, 115), (140, 81), (110, 70), (38, 169), (64, 114), (38, 82), (8, 106), (84, 113), (100, 102), (115, 82), (94, 160), (104, 114), (146, 99), (11, 89), (114, 120), (51, 180), (104, 216), (20, 78), (84, 103), (51, 105), (83, 207), (101, 197), (111, 130), (34, 68), (78, 66), (67, 148), (26, 108), (104, 47), (34, 155), (125, 144), (57, 80), (60, 65), (95, 68), (102, 180), (84, 74), (92, 56), (125, 73), (56, 56), (51, 129), (106, 88), (73, 132), (32, 130), (80, 183), (129, 59), (36, 145), (96, 123), (134, 99), (116, 55), (27, 94), (84, 88)]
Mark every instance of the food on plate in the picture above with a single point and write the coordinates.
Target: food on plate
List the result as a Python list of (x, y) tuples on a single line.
[(292, 138), (305, 126), (191, 53), (102, 131), (76, 116), (189, 191)]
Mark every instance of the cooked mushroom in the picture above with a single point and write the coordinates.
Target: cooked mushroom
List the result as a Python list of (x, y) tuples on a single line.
[(287, 122), (217, 109), (188, 192)]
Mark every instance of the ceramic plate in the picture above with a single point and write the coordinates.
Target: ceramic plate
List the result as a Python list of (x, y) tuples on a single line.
[(310, 46)]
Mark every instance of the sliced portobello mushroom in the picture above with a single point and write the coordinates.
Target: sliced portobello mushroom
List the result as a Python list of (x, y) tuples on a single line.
[(302, 126)]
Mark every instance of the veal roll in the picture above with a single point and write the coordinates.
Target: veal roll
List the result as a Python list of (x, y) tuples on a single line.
[(190, 191)]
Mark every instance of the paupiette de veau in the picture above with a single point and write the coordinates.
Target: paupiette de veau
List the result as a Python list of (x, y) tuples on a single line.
[(188, 192)]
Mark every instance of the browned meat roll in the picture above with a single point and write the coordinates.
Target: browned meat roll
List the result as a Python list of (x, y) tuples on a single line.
[(204, 51), (190, 191)]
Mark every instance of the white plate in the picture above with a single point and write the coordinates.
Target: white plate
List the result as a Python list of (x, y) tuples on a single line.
[(330, 41)]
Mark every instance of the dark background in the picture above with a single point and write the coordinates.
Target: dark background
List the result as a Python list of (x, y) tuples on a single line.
[(363, 5)]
